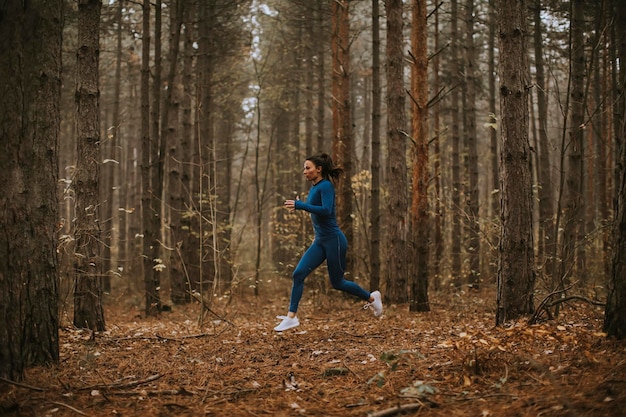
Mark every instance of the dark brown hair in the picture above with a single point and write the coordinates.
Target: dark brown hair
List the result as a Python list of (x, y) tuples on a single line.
[(329, 169)]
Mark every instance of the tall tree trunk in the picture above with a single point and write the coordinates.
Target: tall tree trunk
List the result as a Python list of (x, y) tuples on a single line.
[(181, 285), (516, 274), (284, 228), (342, 117), (615, 52), (321, 72), (605, 132), (88, 311), (309, 76), (206, 148), (131, 221), (113, 252), (110, 171), (152, 297), (171, 139), (598, 209), (105, 185), (455, 138), (574, 203), (546, 194), (615, 316), (438, 218), (30, 120), (223, 163), (375, 216), (365, 162), (197, 181), (494, 202), (157, 163), (397, 200), (473, 242), (419, 208), (260, 183), (366, 145), (493, 120)]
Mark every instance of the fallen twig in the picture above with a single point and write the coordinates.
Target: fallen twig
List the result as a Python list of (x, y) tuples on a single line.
[(189, 336), (154, 393), (402, 408), (225, 395), (353, 373), (543, 305), (480, 397), (575, 297), (126, 385), (369, 336), (19, 384), (67, 406), (159, 337)]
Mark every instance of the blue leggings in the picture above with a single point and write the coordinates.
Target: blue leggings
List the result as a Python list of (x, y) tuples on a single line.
[(332, 249)]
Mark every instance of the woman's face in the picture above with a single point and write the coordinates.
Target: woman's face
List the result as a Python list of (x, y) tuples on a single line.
[(311, 172)]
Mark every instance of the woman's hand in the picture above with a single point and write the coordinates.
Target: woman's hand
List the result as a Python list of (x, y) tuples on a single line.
[(291, 204)]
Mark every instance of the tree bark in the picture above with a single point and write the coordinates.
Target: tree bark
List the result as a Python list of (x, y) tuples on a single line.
[(546, 194), (30, 121), (572, 257), (375, 215), (615, 313), (342, 117), (455, 138), (152, 298), (596, 192), (397, 200), (171, 137), (180, 286), (309, 94), (322, 38), (131, 221), (438, 208), (115, 251), (473, 241), (88, 312), (420, 207), (157, 168), (223, 163), (516, 273), (206, 147), (604, 176), (493, 121)]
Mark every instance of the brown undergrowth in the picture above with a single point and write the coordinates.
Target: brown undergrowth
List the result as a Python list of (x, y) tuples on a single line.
[(341, 361)]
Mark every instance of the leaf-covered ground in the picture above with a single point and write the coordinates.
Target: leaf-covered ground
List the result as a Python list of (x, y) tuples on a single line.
[(341, 361)]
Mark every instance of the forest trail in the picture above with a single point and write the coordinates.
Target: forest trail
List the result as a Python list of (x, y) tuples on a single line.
[(340, 361)]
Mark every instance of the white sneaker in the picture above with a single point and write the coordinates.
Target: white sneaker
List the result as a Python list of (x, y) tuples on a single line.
[(287, 323), (377, 304)]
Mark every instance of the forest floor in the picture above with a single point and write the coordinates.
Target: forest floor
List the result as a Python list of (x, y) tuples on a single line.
[(341, 361)]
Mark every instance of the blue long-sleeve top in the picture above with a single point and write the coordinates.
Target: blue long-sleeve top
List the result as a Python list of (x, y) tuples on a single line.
[(321, 204)]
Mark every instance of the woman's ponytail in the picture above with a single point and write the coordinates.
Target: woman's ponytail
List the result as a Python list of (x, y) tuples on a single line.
[(329, 169)]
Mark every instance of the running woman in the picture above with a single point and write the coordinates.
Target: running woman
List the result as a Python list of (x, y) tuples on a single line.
[(330, 244)]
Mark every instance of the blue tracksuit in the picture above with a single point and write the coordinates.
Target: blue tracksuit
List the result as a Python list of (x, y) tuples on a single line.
[(330, 244)]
